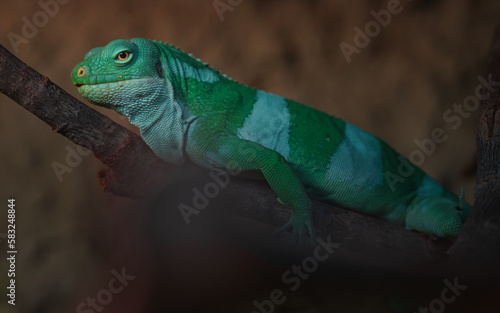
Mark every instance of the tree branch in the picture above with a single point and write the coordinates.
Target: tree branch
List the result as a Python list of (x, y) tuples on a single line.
[(133, 167), (477, 244), (135, 170)]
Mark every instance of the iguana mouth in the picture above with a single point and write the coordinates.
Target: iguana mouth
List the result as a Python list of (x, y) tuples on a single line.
[(78, 85), (95, 84), (109, 82)]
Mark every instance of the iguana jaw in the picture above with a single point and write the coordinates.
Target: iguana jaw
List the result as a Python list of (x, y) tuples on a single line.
[(118, 93), (84, 88)]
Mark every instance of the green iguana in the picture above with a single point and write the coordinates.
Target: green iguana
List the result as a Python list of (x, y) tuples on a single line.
[(186, 110)]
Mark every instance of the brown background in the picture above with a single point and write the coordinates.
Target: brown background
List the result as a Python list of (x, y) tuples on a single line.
[(71, 234)]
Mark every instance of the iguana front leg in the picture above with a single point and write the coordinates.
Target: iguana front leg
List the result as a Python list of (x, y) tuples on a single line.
[(232, 153)]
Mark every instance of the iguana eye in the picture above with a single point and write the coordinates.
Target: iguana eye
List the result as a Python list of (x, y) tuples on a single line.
[(82, 71), (122, 56)]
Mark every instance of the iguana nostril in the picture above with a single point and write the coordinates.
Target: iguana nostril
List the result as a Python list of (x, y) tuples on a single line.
[(82, 71)]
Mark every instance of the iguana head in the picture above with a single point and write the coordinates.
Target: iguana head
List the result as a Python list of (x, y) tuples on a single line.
[(123, 73), (131, 77)]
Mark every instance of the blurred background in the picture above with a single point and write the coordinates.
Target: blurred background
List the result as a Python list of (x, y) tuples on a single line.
[(73, 239)]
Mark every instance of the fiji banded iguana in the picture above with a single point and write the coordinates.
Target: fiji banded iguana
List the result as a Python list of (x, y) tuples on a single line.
[(186, 110)]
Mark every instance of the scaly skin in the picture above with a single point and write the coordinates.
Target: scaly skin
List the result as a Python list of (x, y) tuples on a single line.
[(187, 110)]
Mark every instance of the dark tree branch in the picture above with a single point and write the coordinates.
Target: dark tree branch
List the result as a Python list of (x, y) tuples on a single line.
[(135, 170), (133, 167), (375, 241), (479, 242)]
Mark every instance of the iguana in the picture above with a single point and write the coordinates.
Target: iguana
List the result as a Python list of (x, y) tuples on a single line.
[(186, 110)]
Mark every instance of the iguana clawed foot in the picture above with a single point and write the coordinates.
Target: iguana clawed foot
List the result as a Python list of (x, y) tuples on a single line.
[(300, 226)]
